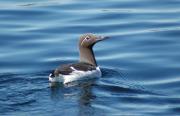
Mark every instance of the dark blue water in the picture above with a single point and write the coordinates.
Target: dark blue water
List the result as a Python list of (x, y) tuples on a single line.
[(140, 63)]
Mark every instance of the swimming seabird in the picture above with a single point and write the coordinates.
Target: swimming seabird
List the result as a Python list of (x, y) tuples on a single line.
[(87, 65)]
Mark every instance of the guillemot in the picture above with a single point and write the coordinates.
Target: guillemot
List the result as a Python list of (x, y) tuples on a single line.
[(87, 65)]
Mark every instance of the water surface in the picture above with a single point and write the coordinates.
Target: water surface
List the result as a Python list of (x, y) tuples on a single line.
[(140, 63)]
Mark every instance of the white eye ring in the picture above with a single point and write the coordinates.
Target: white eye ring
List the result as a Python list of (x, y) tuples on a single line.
[(87, 38)]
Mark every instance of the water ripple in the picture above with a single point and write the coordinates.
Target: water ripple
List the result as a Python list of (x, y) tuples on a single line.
[(140, 61)]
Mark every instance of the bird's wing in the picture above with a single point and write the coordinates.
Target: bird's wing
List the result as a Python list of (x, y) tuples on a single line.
[(69, 68)]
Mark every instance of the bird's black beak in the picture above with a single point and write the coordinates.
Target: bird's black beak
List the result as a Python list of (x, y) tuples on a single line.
[(101, 38)]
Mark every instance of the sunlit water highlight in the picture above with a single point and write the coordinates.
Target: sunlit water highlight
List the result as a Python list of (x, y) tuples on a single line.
[(140, 63)]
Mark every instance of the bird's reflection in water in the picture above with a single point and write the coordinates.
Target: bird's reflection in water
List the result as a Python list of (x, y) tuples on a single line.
[(85, 99), (79, 91)]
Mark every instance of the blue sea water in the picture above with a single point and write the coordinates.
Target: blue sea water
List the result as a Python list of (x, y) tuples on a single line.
[(140, 62)]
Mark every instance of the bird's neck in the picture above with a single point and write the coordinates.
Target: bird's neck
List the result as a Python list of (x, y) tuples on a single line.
[(87, 55)]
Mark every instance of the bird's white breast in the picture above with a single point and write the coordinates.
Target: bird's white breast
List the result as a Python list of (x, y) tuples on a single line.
[(77, 75)]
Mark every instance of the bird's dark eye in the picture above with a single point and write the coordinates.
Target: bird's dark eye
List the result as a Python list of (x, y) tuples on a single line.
[(87, 38)]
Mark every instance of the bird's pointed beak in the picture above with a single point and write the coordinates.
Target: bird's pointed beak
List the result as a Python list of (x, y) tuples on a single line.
[(101, 38)]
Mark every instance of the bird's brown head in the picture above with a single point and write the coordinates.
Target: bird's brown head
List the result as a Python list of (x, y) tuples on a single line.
[(88, 40)]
